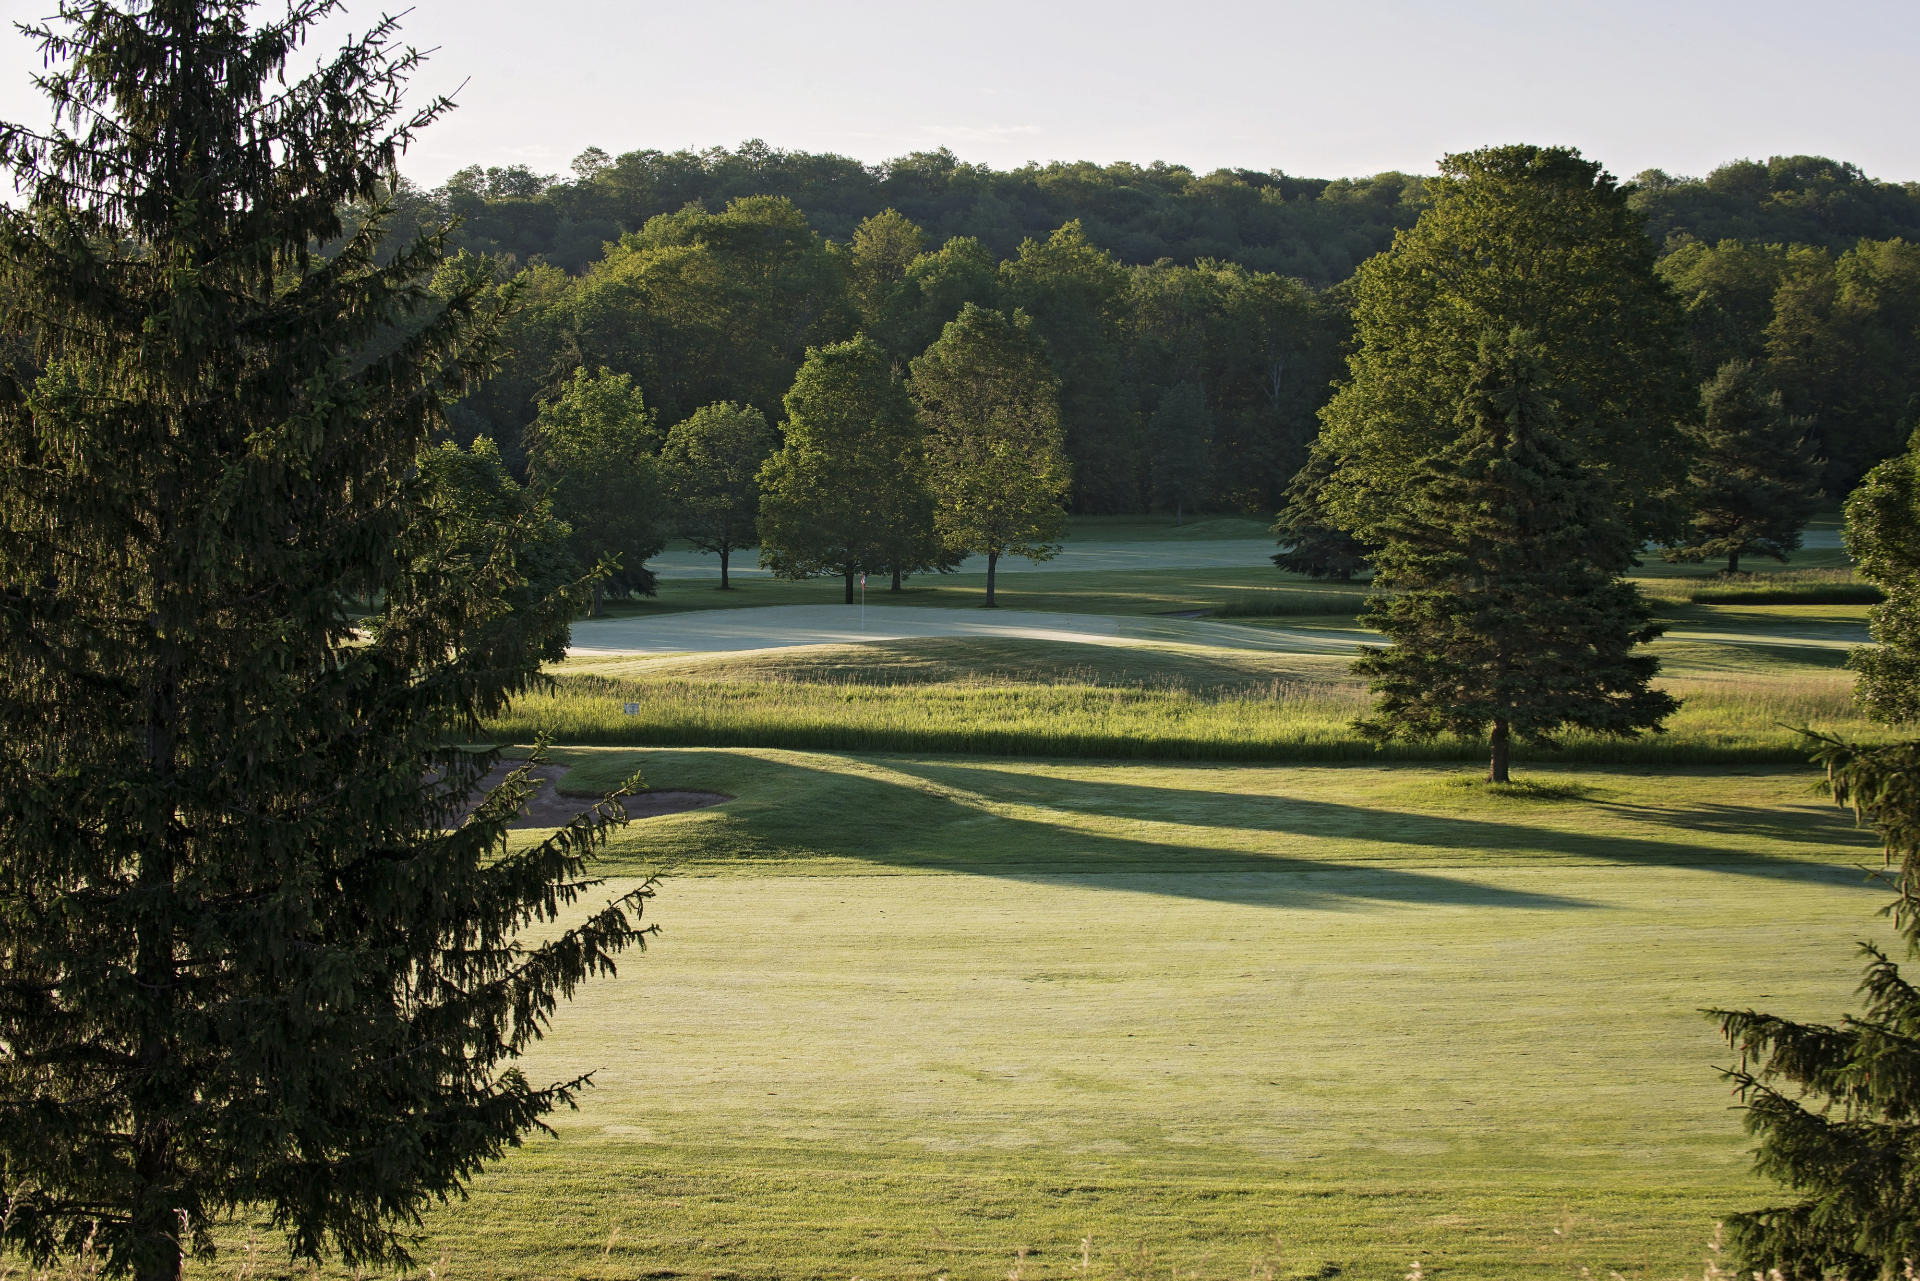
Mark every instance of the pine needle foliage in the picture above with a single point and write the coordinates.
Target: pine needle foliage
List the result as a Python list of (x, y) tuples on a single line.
[(1501, 582), (1309, 542), (1836, 1108), (252, 952)]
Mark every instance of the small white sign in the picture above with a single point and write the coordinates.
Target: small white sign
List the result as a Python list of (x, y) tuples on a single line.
[(633, 709)]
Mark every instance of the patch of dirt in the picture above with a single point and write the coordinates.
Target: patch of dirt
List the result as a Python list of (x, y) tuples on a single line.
[(549, 808)]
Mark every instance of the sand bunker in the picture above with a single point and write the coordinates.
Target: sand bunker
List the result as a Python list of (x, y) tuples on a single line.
[(549, 808)]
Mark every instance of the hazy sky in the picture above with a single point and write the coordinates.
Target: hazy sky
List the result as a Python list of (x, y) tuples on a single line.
[(1323, 89)]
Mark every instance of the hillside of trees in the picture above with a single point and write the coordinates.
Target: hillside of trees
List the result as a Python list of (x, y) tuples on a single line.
[(1196, 321)]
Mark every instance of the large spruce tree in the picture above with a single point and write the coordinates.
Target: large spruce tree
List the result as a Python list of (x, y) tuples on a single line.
[(1834, 1106), (1534, 238), (1501, 587), (252, 952)]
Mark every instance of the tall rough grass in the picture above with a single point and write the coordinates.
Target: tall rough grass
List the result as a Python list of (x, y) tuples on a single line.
[(1788, 587), (1721, 721)]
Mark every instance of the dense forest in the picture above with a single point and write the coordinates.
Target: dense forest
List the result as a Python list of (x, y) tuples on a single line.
[(1196, 321)]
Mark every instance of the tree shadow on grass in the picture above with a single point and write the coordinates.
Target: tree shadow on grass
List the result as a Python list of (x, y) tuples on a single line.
[(1332, 820), (883, 815)]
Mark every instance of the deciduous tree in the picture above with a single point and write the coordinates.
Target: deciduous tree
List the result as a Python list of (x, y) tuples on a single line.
[(251, 956), (846, 491), (1180, 443), (1517, 237), (591, 451), (1883, 537), (883, 248), (1076, 293), (996, 457), (710, 466)]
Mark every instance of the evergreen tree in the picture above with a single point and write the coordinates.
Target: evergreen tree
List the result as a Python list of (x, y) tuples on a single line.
[(1516, 238), (996, 455), (1309, 542), (250, 956), (710, 466), (591, 451), (1883, 537), (1834, 1106), (1752, 479), (846, 491), (1504, 601)]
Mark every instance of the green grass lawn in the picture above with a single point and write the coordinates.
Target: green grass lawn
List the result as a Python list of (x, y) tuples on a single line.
[(1040, 1010), (1126, 592), (1750, 677), (910, 1016)]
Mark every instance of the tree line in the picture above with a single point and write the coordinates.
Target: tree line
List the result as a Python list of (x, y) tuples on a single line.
[(1180, 387), (1192, 370)]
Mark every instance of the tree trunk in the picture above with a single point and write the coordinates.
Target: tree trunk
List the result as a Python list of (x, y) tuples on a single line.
[(594, 611), (896, 579), (724, 553), (1176, 514), (1733, 563), (993, 562), (849, 587), (156, 1109), (1497, 764)]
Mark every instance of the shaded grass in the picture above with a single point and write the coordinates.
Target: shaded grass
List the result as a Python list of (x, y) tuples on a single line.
[(817, 812), (922, 1017), (1332, 602), (1120, 529), (1124, 592), (1250, 591)]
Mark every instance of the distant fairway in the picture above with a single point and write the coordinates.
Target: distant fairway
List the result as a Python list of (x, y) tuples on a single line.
[(911, 1015)]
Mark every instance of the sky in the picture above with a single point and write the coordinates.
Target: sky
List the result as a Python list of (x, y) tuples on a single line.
[(1315, 89)]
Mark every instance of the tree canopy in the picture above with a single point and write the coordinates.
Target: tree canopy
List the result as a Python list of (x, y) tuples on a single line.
[(591, 451), (996, 456), (1883, 537), (846, 491), (710, 467), (1532, 238)]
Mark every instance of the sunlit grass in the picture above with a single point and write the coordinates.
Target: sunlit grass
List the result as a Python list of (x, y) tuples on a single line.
[(1750, 679), (1834, 586)]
